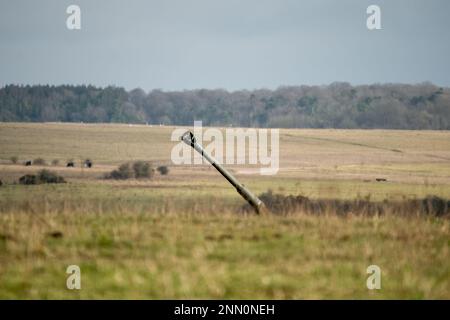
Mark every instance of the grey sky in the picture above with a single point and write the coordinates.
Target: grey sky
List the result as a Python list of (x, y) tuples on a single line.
[(231, 44)]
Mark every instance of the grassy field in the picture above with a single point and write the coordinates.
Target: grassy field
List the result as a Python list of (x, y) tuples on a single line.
[(184, 236)]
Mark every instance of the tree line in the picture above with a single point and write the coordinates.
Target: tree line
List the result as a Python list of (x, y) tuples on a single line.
[(338, 105)]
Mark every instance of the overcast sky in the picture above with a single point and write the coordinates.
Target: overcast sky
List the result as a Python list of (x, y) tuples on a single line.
[(231, 44)]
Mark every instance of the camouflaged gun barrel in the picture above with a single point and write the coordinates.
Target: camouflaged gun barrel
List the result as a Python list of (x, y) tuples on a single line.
[(253, 200)]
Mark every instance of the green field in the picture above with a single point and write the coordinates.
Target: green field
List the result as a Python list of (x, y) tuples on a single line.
[(184, 236)]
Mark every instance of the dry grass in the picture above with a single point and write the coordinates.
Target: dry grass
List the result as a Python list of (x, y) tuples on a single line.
[(184, 236), (141, 254)]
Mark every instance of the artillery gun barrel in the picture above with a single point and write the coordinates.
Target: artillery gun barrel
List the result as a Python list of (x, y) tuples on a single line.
[(253, 200)]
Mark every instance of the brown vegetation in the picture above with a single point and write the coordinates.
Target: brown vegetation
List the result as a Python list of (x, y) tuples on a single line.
[(43, 176), (282, 204), (138, 170), (39, 162)]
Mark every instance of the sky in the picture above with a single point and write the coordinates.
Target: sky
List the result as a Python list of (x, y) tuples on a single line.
[(229, 44)]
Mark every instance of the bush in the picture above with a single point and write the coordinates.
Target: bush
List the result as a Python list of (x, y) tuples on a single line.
[(39, 162), (55, 162), (163, 170), (139, 169), (1, 183), (47, 176), (28, 179), (88, 163), (43, 176), (123, 172), (435, 205), (142, 169), (14, 159)]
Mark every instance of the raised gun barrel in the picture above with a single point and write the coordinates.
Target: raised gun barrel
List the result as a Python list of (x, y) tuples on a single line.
[(189, 138)]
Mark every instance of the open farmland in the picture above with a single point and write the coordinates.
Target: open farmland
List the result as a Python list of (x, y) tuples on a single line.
[(184, 236)]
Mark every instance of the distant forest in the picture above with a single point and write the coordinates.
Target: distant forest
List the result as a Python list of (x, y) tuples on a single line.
[(338, 105)]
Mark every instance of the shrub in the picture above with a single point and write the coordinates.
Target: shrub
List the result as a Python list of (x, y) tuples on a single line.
[(39, 162), (123, 172), (139, 169), (28, 179), (435, 205), (43, 176), (1, 183), (163, 170), (142, 169), (88, 163), (14, 159), (47, 176), (55, 162), (287, 204)]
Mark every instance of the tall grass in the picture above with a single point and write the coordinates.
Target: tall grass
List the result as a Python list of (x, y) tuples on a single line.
[(127, 252)]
